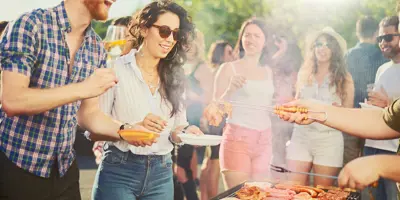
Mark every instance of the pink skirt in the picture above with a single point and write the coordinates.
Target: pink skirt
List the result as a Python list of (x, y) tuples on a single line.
[(245, 150)]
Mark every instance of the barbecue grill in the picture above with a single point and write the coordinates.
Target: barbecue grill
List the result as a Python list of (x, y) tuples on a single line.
[(231, 193)]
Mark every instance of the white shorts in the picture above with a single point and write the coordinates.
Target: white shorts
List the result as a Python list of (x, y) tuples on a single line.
[(319, 147)]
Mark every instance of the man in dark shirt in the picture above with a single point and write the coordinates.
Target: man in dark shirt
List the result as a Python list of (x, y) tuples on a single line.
[(363, 61)]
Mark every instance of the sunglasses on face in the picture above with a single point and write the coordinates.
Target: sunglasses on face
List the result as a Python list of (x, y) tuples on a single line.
[(387, 38), (321, 44), (165, 32)]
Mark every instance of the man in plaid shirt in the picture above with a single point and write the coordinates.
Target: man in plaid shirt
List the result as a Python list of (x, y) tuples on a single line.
[(54, 68)]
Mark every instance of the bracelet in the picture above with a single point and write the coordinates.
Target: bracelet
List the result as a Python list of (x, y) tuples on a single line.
[(179, 144)]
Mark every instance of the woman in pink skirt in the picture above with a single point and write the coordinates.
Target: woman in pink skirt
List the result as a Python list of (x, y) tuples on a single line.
[(246, 149)]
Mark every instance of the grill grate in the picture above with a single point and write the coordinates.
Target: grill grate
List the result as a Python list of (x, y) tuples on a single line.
[(232, 193)]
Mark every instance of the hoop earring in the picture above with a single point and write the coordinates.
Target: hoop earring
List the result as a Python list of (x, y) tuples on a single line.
[(176, 51)]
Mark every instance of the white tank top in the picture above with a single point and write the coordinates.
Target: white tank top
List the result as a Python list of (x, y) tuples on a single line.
[(323, 93), (253, 93)]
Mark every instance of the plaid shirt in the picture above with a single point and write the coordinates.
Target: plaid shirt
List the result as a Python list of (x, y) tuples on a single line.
[(35, 45)]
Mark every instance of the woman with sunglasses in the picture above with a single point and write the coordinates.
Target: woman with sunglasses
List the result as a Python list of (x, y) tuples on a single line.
[(149, 92), (245, 151), (322, 77)]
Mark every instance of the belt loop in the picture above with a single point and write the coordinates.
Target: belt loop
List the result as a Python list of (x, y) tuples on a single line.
[(126, 156), (164, 160)]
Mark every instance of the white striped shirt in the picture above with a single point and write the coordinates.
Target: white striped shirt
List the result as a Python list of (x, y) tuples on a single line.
[(131, 100)]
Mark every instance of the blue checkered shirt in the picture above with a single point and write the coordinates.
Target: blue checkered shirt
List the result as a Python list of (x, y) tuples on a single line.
[(35, 45)]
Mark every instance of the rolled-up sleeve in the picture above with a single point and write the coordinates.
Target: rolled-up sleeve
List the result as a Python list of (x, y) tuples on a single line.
[(392, 115), (18, 46)]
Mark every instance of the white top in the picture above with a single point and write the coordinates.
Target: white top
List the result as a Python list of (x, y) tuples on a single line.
[(131, 100), (253, 93), (387, 77), (323, 93)]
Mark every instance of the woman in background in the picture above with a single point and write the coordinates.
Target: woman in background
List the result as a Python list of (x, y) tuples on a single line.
[(199, 81), (246, 148), (323, 77), (220, 52), (285, 64)]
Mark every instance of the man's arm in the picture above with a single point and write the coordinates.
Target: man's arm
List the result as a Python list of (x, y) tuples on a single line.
[(18, 56), (363, 123), (390, 167), (101, 126), (18, 98)]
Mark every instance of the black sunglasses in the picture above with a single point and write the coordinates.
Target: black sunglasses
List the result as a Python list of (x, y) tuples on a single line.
[(387, 38), (165, 32), (321, 44)]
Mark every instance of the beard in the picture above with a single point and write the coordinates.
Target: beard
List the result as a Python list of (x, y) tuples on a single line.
[(97, 9), (393, 52)]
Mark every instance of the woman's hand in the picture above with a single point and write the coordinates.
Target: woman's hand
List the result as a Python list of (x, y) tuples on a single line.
[(154, 123), (190, 130), (135, 140), (236, 83)]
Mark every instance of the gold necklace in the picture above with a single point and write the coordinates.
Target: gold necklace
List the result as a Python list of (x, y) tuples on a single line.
[(152, 85), (152, 74)]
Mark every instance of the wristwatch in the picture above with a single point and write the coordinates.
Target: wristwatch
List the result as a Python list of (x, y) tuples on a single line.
[(123, 127)]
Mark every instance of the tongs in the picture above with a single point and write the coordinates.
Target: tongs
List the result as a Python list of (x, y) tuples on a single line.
[(283, 170)]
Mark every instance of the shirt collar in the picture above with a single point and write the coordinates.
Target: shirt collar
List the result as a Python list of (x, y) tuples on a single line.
[(63, 21), (129, 60)]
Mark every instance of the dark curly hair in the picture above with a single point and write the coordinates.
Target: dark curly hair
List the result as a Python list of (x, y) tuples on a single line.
[(172, 78), (239, 50)]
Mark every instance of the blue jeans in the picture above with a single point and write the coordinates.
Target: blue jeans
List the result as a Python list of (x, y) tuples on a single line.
[(126, 176), (387, 189)]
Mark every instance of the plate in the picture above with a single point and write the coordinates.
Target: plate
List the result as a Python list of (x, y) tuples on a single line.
[(201, 140), (365, 105)]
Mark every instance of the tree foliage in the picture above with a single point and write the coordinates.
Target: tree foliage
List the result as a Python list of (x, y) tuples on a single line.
[(221, 19)]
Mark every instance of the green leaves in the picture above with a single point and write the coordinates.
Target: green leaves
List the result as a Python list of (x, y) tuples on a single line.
[(221, 19)]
